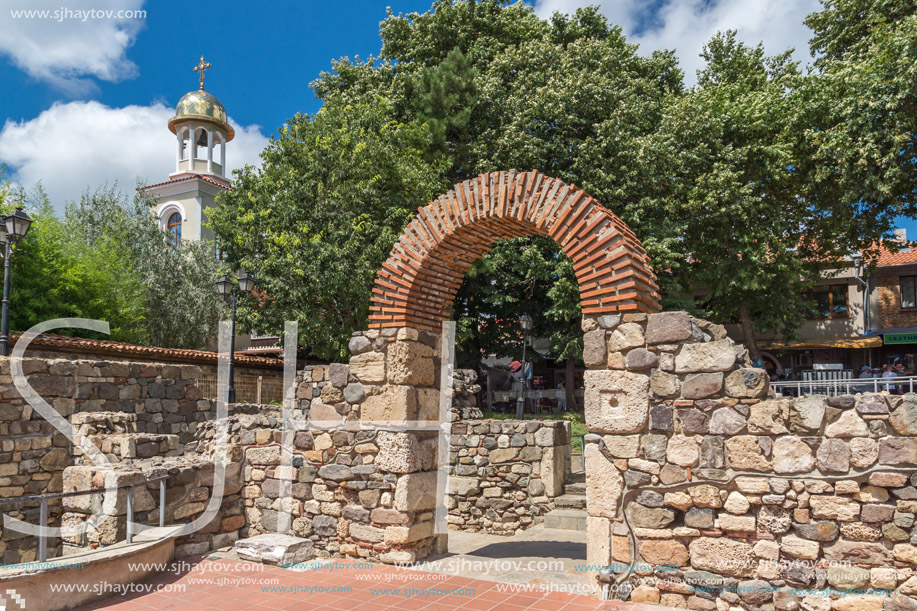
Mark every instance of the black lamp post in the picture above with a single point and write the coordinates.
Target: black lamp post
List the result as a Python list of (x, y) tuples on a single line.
[(526, 323), (15, 227), (227, 286)]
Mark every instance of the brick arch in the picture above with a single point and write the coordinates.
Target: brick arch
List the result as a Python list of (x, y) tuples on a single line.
[(418, 282)]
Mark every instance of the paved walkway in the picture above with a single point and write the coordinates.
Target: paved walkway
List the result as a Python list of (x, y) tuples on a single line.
[(458, 580), (232, 585), (534, 557)]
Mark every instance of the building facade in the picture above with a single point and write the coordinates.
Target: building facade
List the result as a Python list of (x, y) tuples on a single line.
[(863, 316), (202, 131)]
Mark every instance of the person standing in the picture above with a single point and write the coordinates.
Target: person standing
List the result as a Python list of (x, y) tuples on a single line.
[(888, 372), (561, 396)]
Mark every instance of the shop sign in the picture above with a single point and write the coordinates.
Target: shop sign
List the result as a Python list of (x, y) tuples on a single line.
[(900, 338)]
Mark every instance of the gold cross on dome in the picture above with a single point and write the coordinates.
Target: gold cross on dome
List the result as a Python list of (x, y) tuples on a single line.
[(200, 68)]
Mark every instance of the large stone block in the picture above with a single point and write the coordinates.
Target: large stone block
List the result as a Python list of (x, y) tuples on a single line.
[(904, 418), (594, 349), (664, 385), (792, 455), (768, 417), (416, 491), (702, 385), (410, 363), (747, 383), (598, 534), (683, 451), (604, 484), (428, 404), (807, 414), (668, 328), (390, 403), (898, 451), (368, 367), (552, 470), (464, 486), (616, 401), (745, 454), (275, 548), (848, 425), (858, 552), (706, 357), (398, 452), (400, 535), (723, 556), (664, 553), (624, 337)]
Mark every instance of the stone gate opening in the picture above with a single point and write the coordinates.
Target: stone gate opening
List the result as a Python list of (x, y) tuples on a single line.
[(398, 359)]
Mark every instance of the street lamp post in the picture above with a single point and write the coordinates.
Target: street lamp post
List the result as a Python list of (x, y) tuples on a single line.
[(526, 323), (227, 286), (15, 227)]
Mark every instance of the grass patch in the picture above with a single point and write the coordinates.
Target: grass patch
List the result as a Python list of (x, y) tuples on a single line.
[(577, 422)]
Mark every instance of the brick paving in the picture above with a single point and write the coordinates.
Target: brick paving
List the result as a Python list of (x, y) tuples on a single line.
[(338, 586)]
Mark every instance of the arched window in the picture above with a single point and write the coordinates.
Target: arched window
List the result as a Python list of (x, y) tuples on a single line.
[(174, 228)]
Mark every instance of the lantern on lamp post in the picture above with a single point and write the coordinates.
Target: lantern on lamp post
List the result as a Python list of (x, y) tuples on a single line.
[(525, 322), (227, 286), (15, 226)]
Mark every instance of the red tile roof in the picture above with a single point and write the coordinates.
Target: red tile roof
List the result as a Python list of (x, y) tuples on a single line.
[(49, 342), (906, 256), (189, 177)]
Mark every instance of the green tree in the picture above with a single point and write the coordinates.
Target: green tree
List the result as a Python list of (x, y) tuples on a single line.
[(106, 258), (858, 115), (445, 98), (722, 166), (316, 222), (480, 86), (172, 288)]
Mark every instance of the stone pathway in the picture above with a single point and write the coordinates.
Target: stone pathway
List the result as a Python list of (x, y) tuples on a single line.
[(480, 573), (538, 556)]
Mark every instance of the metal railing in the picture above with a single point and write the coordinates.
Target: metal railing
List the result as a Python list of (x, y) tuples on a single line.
[(581, 453), (260, 390), (44, 498), (847, 386)]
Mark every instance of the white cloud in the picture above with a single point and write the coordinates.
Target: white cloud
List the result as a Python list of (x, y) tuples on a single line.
[(75, 145), (63, 42), (686, 25)]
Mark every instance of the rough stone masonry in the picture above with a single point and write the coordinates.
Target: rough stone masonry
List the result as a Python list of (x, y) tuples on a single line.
[(723, 498)]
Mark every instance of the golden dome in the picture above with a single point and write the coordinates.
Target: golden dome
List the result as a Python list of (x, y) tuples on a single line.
[(197, 106)]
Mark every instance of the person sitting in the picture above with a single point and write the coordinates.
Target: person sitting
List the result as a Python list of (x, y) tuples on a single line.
[(889, 372), (865, 373)]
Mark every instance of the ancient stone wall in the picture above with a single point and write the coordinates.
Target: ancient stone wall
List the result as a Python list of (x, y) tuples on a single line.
[(504, 474), (188, 490), (704, 493), (129, 410)]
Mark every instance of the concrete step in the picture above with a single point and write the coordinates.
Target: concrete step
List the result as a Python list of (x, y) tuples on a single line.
[(577, 488), (566, 519), (570, 501), (576, 478)]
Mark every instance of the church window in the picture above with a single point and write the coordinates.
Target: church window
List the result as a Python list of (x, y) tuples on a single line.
[(174, 229)]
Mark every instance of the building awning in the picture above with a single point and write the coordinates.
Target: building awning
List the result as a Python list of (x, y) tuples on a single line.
[(827, 342)]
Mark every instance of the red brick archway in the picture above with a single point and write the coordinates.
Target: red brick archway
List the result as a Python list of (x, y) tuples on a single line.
[(418, 282)]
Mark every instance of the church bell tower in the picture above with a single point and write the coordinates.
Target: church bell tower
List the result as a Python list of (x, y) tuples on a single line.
[(201, 133)]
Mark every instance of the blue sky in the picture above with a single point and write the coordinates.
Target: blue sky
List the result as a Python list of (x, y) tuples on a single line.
[(85, 101), (263, 58)]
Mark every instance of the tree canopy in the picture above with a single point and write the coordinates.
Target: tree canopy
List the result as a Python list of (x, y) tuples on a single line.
[(107, 258), (749, 180)]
